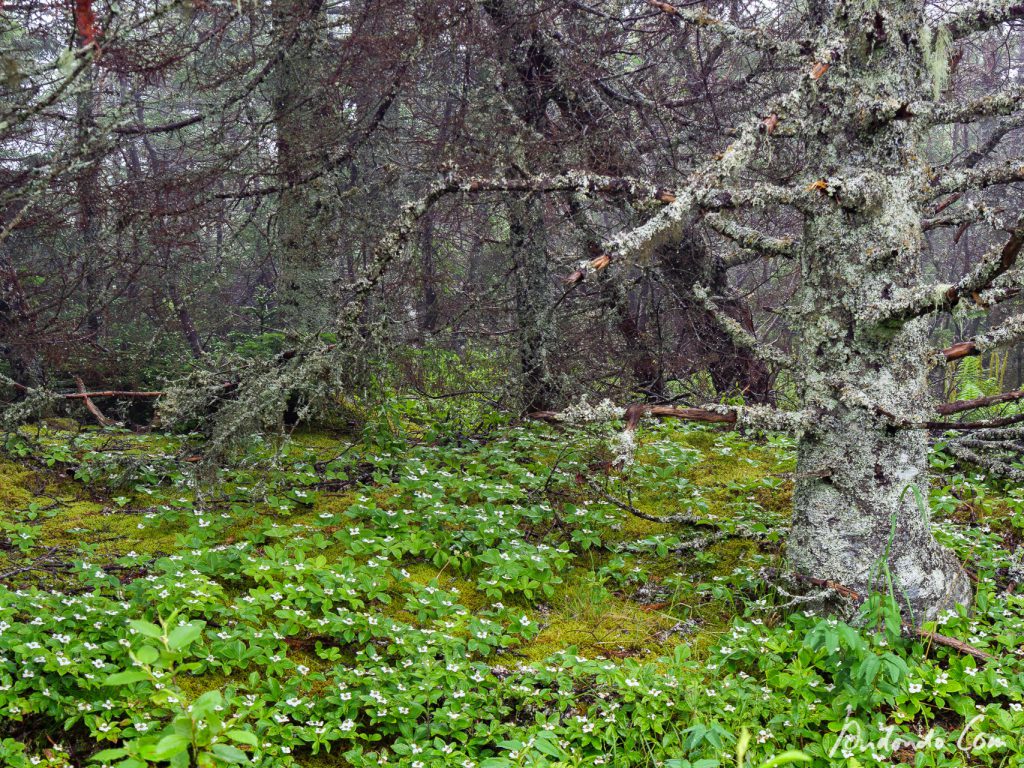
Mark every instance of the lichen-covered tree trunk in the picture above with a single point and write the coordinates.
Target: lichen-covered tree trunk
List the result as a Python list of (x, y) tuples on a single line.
[(303, 211), (532, 295), (857, 519)]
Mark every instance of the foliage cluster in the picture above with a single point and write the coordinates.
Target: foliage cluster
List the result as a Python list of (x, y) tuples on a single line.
[(482, 601)]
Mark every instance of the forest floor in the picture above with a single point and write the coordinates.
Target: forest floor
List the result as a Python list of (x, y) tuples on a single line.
[(504, 599)]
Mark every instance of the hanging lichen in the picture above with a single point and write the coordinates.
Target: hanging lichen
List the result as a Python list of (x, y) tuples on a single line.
[(935, 52)]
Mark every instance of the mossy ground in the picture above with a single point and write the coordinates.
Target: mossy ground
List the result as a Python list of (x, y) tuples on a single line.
[(634, 591), (599, 619)]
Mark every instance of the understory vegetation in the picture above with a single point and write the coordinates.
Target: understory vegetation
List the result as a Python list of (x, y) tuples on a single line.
[(511, 383), (413, 594)]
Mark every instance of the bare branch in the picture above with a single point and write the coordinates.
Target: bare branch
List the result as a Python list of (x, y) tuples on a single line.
[(765, 40), (972, 179), (948, 409), (707, 187), (1005, 102), (1004, 421), (914, 303), (753, 417), (964, 449), (740, 336)]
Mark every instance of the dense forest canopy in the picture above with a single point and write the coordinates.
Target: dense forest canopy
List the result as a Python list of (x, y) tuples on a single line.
[(427, 225)]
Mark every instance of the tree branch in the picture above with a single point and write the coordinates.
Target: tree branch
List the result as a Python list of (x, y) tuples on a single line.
[(1004, 102), (765, 40), (739, 335), (972, 179), (1009, 332), (948, 409), (934, 298), (753, 417), (748, 237), (982, 16), (1004, 421)]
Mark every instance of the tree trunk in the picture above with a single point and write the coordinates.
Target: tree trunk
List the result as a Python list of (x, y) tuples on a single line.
[(430, 312), (188, 327), (532, 276), (304, 272), (87, 195), (856, 518)]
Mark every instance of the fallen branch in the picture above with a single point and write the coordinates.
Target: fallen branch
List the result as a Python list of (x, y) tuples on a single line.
[(934, 637), (82, 395), (636, 412), (949, 642), (91, 406), (947, 409), (960, 350), (1005, 421), (1009, 332), (628, 507), (633, 413)]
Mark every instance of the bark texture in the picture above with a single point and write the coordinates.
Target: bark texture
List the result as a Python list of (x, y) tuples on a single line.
[(304, 212), (533, 301), (856, 521)]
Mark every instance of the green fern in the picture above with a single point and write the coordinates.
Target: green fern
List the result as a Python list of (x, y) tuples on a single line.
[(968, 379), (972, 377)]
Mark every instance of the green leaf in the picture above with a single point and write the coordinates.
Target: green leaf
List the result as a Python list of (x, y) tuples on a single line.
[(546, 747), (147, 629), (183, 636), (207, 703), (124, 678), (109, 754), (229, 754), (167, 747), (147, 654), (869, 668), (242, 737)]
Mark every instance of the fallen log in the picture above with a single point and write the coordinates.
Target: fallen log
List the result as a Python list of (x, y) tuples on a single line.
[(634, 413), (83, 395)]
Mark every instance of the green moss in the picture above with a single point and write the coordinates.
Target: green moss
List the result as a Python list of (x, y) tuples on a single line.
[(324, 759), (469, 596), (619, 629), (718, 469), (16, 482), (337, 503), (194, 686), (778, 501), (112, 532), (325, 444)]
